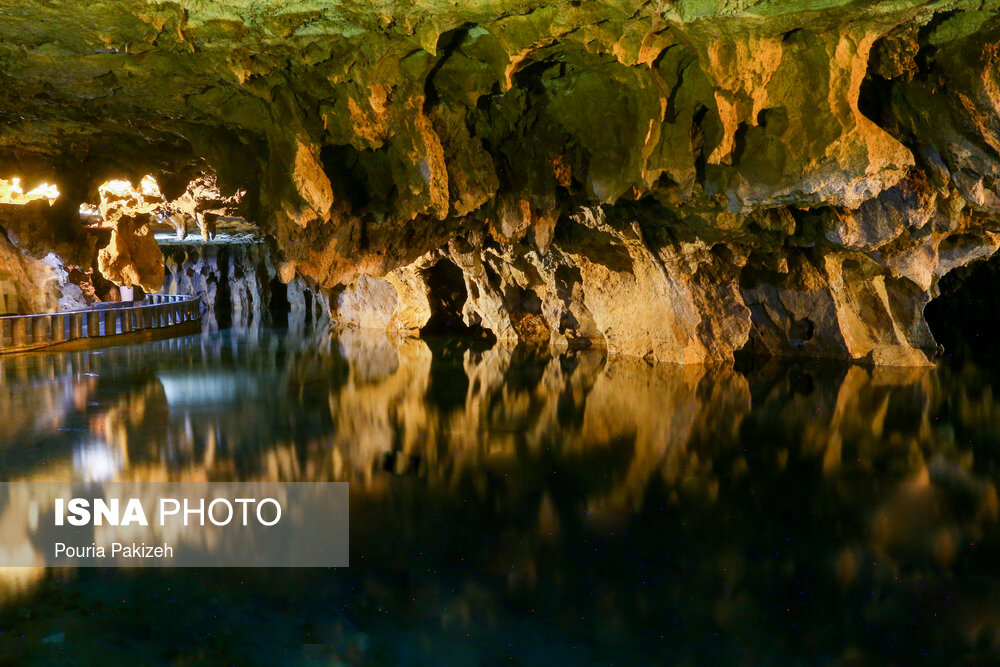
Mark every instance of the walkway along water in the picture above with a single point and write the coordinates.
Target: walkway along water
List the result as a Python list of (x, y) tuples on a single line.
[(157, 316)]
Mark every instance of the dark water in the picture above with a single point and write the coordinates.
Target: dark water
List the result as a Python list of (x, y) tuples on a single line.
[(512, 508)]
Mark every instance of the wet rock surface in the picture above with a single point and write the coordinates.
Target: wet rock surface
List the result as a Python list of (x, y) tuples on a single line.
[(667, 180), (233, 281)]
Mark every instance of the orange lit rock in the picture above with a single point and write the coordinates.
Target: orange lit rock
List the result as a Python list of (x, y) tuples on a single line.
[(133, 256), (668, 180)]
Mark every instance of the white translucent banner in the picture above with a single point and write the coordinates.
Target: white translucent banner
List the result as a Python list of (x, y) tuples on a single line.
[(174, 524)]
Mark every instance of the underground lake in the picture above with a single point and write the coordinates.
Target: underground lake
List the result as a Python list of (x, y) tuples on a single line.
[(511, 506), (499, 332)]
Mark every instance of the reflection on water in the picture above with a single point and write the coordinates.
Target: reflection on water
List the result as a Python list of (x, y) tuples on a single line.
[(513, 507)]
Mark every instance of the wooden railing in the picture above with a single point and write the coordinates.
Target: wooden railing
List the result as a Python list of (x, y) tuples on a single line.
[(156, 311)]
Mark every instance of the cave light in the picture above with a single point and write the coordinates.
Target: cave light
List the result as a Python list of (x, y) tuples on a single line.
[(121, 188), (148, 187), (11, 192)]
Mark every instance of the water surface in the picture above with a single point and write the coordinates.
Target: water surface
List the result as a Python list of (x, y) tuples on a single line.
[(512, 507)]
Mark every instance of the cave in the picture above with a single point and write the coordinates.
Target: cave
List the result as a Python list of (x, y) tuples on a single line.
[(280, 307), (223, 306), (560, 331), (614, 161), (447, 295), (964, 313)]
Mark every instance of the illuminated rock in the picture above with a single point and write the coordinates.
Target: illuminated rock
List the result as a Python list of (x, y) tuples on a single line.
[(671, 181)]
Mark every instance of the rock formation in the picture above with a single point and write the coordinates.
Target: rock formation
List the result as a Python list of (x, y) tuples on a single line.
[(674, 180), (232, 280)]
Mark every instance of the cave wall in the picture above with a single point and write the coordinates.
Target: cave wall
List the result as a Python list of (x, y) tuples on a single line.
[(233, 281), (673, 180)]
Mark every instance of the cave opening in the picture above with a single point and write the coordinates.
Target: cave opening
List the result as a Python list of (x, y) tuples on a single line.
[(447, 294), (12, 192), (279, 307), (874, 100), (346, 167), (449, 335), (223, 291), (308, 299), (964, 316)]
